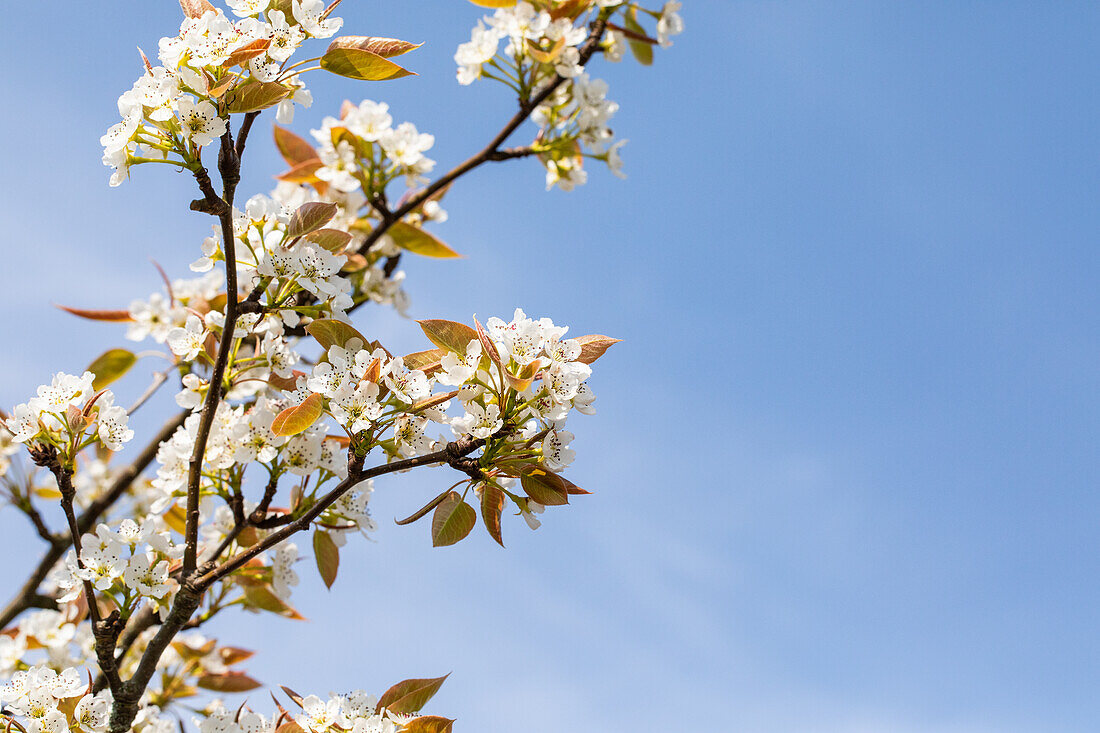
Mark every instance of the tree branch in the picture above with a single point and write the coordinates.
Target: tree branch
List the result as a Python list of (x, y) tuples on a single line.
[(28, 596), (492, 151), (229, 165), (106, 630), (453, 454)]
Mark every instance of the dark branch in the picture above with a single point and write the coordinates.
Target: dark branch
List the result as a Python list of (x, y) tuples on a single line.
[(28, 596)]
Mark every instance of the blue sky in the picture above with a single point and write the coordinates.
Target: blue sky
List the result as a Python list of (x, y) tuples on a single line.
[(844, 460)]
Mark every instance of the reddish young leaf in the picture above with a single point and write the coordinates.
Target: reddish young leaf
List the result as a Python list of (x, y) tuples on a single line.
[(333, 240), (569, 9), (428, 724), (301, 173), (117, 316), (373, 371), (253, 96), (243, 54), (294, 149), (525, 377), (234, 655), (593, 347), (548, 56), (195, 8), (571, 488), (421, 512), (426, 361), (492, 505), (287, 384), (292, 695), (294, 420), (228, 682), (289, 727), (410, 696), (384, 47), (436, 399), (310, 217), (487, 344)]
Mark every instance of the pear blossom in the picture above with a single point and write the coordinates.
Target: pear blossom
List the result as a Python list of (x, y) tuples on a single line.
[(308, 14), (670, 23), (200, 121), (188, 341)]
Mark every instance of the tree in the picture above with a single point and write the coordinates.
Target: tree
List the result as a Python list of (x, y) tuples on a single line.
[(276, 437)]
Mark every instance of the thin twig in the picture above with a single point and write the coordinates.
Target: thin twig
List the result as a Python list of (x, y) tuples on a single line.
[(491, 151), (159, 378)]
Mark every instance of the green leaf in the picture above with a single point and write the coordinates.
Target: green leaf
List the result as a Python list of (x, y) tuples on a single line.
[(593, 347), (310, 217), (329, 333), (418, 241), (328, 556), (294, 420), (410, 696), (228, 682), (110, 365), (428, 724), (453, 519), (492, 505), (544, 486), (642, 51), (448, 334), (355, 63), (253, 96)]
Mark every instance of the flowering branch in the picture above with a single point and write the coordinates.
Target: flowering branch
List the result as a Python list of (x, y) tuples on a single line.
[(325, 241), (106, 630), (28, 597), (492, 151)]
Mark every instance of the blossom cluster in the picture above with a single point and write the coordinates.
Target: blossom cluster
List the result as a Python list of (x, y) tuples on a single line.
[(543, 46), (213, 67), (363, 150), (62, 413), (355, 712), (129, 564), (44, 637), (42, 698)]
